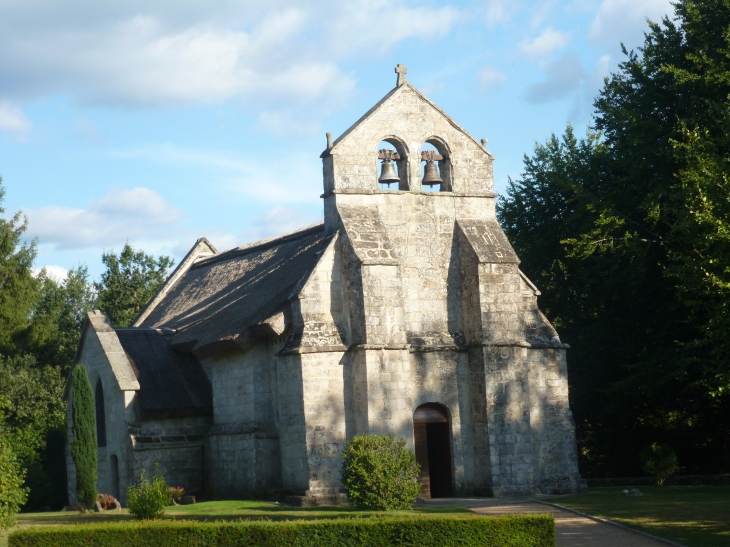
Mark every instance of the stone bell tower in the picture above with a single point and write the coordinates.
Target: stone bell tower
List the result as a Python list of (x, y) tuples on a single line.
[(436, 310)]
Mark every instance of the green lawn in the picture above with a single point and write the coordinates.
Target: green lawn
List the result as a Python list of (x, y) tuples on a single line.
[(696, 516), (218, 510)]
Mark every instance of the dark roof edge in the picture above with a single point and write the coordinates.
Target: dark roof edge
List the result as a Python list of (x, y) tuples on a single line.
[(202, 247), (260, 245)]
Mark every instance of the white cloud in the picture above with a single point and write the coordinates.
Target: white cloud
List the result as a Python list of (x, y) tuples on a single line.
[(490, 79), (12, 119), (499, 12), (279, 220), (57, 273), (625, 21), (547, 42), (271, 55), (87, 129), (287, 125), (119, 216), (563, 76), (368, 26), (267, 179)]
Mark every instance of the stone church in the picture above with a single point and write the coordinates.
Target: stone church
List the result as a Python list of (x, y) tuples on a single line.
[(404, 312)]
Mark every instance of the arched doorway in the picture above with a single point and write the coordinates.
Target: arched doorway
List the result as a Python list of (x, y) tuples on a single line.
[(115, 476), (432, 434)]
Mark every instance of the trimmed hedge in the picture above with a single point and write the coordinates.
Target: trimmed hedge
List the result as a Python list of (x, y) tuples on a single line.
[(417, 531)]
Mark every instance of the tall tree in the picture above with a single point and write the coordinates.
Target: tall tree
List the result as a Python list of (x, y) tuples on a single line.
[(128, 283), (84, 443), (634, 231), (58, 317), (18, 286)]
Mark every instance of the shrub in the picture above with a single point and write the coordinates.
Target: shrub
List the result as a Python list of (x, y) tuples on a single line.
[(148, 499), (416, 531), (12, 493), (659, 460), (83, 444), (380, 473)]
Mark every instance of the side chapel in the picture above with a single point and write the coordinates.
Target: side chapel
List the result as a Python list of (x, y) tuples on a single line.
[(405, 312)]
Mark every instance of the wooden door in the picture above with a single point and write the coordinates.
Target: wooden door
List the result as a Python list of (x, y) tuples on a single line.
[(432, 436)]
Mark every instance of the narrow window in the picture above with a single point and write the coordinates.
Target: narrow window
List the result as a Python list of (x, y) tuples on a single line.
[(100, 415)]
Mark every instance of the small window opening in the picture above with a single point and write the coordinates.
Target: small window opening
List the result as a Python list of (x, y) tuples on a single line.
[(392, 165), (100, 415), (436, 172)]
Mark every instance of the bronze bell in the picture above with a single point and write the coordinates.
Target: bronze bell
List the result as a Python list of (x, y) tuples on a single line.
[(431, 175), (387, 173)]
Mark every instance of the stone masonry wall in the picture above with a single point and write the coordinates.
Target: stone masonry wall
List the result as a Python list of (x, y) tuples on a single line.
[(242, 446), (406, 116), (119, 410)]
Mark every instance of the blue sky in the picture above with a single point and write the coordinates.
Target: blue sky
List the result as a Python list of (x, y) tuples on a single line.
[(161, 122)]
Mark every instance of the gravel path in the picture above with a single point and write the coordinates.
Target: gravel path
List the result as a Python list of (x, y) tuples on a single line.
[(573, 530)]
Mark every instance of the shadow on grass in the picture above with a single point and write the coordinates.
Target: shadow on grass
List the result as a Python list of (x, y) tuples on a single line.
[(696, 516)]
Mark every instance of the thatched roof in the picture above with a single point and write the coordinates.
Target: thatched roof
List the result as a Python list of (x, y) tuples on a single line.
[(221, 301), (172, 384)]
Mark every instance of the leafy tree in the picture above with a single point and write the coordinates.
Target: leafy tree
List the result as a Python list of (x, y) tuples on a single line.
[(84, 443), (659, 460), (380, 473), (18, 287), (58, 317), (34, 397), (128, 283), (12, 492), (628, 232)]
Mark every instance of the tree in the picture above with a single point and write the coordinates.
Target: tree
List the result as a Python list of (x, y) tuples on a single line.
[(34, 397), (58, 317), (18, 287), (12, 492), (84, 443), (129, 282), (628, 234)]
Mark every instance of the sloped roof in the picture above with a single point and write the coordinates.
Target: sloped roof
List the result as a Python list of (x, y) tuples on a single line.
[(172, 384), (220, 297)]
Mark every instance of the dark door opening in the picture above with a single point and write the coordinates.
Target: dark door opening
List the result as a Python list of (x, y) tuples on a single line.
[(114, 462), (433, 450)]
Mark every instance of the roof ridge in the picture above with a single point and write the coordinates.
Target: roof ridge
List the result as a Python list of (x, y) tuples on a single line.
[(259, 245), (180, 270)]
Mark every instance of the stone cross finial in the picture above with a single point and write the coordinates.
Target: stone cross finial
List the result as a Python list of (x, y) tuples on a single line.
[(401, 70)]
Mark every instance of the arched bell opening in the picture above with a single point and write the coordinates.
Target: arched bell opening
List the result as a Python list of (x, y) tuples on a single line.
[(436, 170), (432, 435), (392, 159)]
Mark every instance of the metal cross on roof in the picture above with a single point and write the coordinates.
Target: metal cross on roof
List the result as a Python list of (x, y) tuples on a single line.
[(401, 70)]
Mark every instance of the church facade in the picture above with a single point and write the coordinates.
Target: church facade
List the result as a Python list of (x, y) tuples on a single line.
[(405, 312)]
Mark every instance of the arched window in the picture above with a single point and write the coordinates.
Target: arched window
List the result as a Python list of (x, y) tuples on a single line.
[(392, 159), (100, 414), (436, 171)]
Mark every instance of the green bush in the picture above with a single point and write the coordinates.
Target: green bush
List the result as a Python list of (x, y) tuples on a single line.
[(417, 531), (380, 473), (83, 443), (148, 499), (12, 493), (660, 461)]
